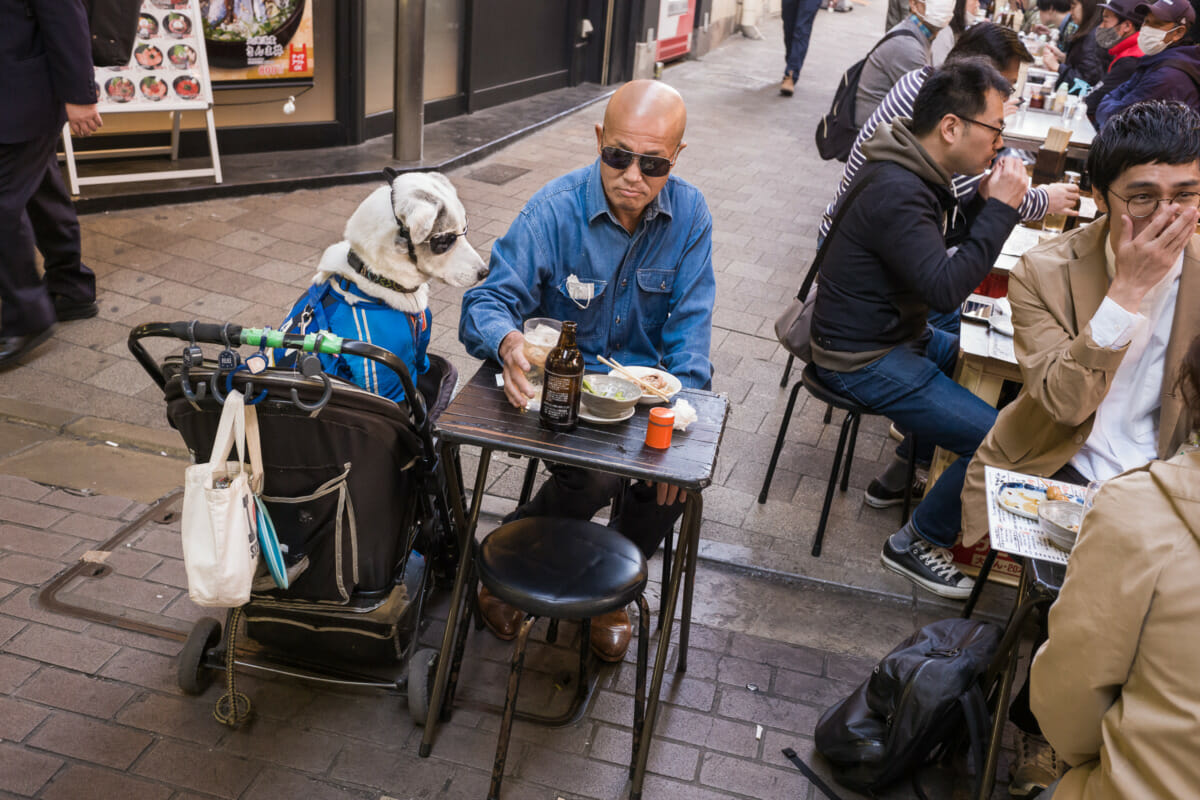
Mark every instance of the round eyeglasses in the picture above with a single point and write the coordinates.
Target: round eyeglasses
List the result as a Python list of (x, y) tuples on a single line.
[(1143, 205)]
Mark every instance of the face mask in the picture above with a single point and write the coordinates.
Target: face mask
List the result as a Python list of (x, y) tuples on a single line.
[(974, 19), (938, 13), (1107, 37), (1152, 40)]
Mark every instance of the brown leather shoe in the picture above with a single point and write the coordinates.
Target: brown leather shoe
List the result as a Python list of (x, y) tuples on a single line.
[(611, 633), (501, 618), (788, 87)]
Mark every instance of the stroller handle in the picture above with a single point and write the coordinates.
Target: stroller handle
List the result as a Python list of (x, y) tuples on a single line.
[(194, 332)]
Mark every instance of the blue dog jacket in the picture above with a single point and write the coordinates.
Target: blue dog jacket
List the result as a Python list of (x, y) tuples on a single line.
[(339, 307)]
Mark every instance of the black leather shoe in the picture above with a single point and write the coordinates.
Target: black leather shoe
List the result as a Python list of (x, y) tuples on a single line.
[(67, 310), (14, 348)]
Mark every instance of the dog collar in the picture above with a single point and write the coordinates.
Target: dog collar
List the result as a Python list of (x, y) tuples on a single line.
[(356, 264)]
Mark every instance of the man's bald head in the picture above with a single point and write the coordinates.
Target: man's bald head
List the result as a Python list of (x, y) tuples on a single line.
[(647, 105)]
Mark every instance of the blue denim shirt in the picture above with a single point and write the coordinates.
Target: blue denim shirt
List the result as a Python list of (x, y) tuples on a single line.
[(653, 290)]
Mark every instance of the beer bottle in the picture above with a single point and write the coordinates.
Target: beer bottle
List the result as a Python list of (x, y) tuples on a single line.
[(563, 383)]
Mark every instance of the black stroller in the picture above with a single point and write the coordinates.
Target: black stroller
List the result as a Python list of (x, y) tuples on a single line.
[(355, 486)]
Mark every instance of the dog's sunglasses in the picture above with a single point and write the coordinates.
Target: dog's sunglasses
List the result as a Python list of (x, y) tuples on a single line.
[(650, 166), (442, 242)]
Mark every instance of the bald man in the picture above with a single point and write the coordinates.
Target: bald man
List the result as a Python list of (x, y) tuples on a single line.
[(638, 240)]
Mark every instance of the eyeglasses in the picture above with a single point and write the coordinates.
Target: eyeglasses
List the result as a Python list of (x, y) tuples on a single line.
[(442, 242), (1141, 206), (997, 132), (650, 166)]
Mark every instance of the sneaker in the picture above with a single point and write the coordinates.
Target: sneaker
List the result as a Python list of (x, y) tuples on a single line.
[(879, 496), (788, 87), (895, 433), (929, 567), (1035, 766)]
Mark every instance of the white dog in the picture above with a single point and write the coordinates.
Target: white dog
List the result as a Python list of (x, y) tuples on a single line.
[(373, 285)]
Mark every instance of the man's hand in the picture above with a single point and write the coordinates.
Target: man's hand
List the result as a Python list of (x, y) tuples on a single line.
[(1007, 182), (84, 120), (516, 387), (667, 494), (1049, 60), (1145, 259), (1011, 106), (1064, 197)]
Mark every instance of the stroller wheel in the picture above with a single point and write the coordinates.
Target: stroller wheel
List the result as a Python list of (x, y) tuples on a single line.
[(421, 669), (192, 674)]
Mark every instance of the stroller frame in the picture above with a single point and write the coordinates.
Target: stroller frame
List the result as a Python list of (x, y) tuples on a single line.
[(439, 515)]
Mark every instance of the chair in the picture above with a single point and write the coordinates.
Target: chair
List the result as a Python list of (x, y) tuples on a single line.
[(563, 569), (854, 412)]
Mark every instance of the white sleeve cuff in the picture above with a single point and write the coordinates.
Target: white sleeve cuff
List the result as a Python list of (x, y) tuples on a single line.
[(1112, 325)]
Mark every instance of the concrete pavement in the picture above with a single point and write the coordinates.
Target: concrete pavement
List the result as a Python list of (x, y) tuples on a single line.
[(91, 710)]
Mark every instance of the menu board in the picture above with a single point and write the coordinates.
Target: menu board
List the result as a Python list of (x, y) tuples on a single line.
[(1010, 533), (168, 70), (258, 40)]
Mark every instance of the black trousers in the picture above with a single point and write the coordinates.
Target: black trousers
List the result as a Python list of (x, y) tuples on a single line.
[(36, 211), (579, 493)]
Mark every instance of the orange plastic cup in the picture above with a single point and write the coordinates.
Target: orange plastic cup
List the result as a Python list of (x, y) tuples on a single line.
[(658, 432)]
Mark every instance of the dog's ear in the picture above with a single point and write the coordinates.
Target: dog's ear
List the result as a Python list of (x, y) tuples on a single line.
[(418, 209), (390, 173)]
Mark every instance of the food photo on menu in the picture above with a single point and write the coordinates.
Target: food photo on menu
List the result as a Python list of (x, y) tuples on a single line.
[(177, 25), (147, 26), (182, 56), (119, 89), (153, 88), (148, 56), (187, 87)]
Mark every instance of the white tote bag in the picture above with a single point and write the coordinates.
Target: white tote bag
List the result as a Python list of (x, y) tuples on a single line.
[(220, 544)]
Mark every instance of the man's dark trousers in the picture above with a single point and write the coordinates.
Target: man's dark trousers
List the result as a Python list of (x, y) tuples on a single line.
[(36, 211), (798, 18)]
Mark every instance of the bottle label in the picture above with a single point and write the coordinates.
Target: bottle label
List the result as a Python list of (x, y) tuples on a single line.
[(558, 397)]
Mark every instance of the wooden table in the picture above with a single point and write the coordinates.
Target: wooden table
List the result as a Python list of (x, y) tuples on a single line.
[(482, 416)]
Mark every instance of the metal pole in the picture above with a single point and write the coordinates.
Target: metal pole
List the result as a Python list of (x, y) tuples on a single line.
[(409, 93)]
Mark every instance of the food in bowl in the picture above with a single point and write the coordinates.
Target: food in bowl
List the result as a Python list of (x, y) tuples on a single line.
[(1060, 520), (187, 87), (177, 25), (182, 55), (608, 396), (119, 89), (148, 56), (239, 20), (147, 26), (153, 88), (665, 381)]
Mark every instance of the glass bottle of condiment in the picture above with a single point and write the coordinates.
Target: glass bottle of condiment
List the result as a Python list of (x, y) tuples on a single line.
[(563, 382)]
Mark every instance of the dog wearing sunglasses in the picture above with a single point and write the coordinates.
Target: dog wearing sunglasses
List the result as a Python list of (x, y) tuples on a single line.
[(374, 284)]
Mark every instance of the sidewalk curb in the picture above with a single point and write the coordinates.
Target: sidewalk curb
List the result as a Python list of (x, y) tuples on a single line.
[(82, 426)]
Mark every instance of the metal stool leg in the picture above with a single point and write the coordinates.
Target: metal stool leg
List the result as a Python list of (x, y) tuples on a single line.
[(850, 454), (833, 480), (980, 580), (639, 693), (666, 574), (510, 704), (527, 484), (787, 371), (828, 414), (783, 426)]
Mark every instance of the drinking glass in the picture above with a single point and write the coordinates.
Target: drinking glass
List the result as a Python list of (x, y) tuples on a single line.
[(541, 335)]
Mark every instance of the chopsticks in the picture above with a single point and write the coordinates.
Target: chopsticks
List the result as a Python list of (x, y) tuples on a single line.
[(654, 390)]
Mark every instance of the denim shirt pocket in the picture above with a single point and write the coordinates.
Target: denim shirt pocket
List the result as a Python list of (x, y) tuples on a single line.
[(654, 296), (585, 313)]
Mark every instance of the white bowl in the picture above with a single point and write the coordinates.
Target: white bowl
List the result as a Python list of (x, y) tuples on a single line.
[(649, 399), (1059, 520)]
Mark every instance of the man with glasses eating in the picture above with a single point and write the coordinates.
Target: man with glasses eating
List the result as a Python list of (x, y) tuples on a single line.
[(624, 249), (1102, 316)]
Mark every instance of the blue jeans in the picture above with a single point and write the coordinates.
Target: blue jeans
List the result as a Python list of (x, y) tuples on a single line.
[(798, 18), (912, 386)]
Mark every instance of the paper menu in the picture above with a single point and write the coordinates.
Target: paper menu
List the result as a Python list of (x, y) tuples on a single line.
[(1017, 535), (1020, 240)]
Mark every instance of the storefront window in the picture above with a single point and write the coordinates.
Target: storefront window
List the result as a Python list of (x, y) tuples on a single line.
[(443, 47)]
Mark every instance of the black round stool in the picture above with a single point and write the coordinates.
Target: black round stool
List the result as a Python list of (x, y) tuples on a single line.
[(563, 569), (854, 412)]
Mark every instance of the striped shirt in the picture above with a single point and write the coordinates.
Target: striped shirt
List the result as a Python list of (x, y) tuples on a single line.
[(899, 103)]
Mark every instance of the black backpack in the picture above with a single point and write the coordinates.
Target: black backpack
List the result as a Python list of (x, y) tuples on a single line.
[(114, 25), (916, 704), (836, 131)]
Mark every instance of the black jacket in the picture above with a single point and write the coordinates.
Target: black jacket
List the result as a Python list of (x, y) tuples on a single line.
[(45, 61), (887, 263), (1083, 59)]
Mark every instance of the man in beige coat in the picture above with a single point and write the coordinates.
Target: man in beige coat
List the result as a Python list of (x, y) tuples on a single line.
[(1102, 317), (1115, 688)]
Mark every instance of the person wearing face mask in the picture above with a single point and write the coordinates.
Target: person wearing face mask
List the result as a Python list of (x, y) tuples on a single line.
[(907, 47), (1079, 58), (966, 14), (1170, 68), (1117, 38)]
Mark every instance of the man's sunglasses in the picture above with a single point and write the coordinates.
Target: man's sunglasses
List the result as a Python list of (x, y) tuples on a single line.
[(650, 166)]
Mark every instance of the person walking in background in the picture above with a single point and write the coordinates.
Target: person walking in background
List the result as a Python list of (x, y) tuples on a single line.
[(47, 79), (907, 48), (798, 18)]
